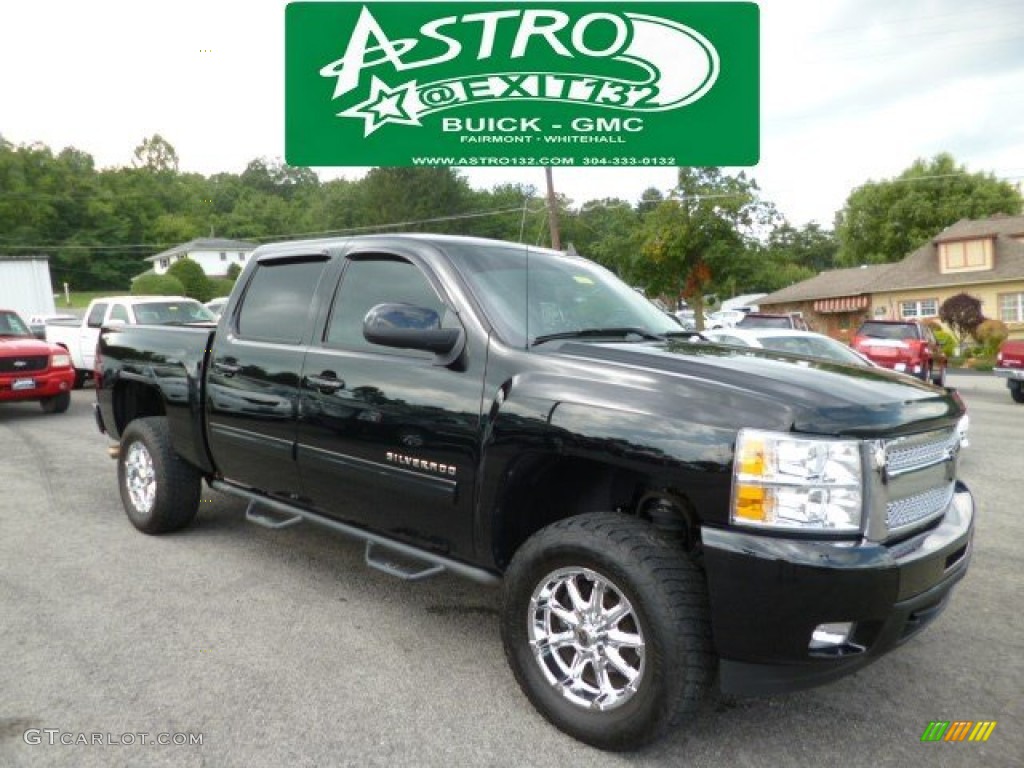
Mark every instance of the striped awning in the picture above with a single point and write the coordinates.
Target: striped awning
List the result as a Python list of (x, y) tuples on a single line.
[(841, 304)]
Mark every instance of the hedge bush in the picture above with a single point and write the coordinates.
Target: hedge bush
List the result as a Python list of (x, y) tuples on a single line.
[(157, 285)]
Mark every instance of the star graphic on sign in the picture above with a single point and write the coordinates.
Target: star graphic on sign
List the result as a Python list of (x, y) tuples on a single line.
[(385, 105)]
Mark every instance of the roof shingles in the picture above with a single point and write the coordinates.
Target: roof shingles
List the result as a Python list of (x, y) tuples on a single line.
[(921, 268)]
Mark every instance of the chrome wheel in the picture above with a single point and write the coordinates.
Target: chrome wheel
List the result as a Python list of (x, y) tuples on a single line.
[(140, 477), (586, 638)]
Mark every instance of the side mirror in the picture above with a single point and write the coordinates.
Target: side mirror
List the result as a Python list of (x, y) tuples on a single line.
[(407, 327)]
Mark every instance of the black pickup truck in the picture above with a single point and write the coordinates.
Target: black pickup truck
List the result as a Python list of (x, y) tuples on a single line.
[(664, 515)]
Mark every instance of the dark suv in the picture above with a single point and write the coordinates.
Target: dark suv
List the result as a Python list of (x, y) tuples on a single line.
[(908, 346), (789, 320)]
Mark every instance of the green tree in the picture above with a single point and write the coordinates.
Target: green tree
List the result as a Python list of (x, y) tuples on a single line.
[(883, 221), (234, 270), (156, 154), (193, 279), (395, 195), (688, 239)]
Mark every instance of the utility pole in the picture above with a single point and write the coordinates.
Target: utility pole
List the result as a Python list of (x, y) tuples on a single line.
[(556, 234)]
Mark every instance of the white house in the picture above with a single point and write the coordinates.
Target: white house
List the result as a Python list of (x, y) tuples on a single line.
[(25, 285), (214, 255)]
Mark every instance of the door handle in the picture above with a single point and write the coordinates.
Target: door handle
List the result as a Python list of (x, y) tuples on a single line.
[(228, 369), (324, 384)]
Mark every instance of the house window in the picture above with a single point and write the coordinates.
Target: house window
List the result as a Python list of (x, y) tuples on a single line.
[(919, 308), (241, 257), (966, 255), (1011, 307), (223, 256), (164, 263)]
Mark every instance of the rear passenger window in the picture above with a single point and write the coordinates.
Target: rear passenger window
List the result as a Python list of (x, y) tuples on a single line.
[(277, 301), (96, 315), (120, 312), (368, 282)]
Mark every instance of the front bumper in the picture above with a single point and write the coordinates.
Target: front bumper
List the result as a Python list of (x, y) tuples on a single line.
[(1014, 374), (768, 594), (43, 384)]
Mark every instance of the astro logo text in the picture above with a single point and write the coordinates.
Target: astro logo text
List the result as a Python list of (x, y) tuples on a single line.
[(380, 82)]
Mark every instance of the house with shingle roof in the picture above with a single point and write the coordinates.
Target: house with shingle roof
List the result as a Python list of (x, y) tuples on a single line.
[(982, 257), (213, 254)]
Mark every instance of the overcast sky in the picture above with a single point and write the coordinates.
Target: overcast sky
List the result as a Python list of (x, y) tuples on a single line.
[(851, 90)]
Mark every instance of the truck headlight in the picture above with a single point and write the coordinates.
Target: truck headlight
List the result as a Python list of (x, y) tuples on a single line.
[(795, 483), (60, 361)]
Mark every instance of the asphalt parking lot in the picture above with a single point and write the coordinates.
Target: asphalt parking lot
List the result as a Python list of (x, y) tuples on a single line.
[(283, 649)]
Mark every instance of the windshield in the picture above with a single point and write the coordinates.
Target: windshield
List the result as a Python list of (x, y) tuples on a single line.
[(764, 321), (809, 346), (888, 331), (12, 325), (173, 312), (567, 294)]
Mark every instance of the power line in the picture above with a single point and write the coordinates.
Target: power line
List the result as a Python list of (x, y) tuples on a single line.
[(287, 236)]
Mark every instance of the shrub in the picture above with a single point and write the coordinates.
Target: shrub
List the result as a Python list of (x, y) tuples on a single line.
[(220, 286), (192, 276), (234, 270), (990, 334), (962, 314), (946, 341), (157, 285)]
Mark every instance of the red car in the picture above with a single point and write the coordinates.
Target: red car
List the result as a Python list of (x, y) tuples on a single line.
[(31, 369), (908, 346), (1010, 366)]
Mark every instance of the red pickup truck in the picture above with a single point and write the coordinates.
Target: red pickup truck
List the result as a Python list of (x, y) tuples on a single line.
[(31, 369), (1010, 366), (908, 346)]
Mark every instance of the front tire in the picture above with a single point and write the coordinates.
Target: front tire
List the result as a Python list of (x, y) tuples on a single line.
[(1017, 391), (56, 403), (606, 627), (159, 490), (940, 380)]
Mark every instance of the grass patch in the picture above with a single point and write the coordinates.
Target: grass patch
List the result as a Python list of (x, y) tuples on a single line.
[(81, 299)]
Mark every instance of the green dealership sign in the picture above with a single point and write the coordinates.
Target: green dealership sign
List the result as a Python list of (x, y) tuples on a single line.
[(522, 83)]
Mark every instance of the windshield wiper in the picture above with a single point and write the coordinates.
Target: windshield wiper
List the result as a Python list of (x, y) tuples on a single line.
[(584, 333)]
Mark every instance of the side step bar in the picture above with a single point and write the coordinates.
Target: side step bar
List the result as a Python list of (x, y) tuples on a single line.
[(268, 519), (403, 568), (409, 571)]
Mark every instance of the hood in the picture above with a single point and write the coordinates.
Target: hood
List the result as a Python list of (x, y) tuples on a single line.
[(817, 397), (15, 346)]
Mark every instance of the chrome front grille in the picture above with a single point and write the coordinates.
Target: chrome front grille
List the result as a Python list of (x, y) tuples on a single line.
[(914, 509), (909, 454), (918, 478)]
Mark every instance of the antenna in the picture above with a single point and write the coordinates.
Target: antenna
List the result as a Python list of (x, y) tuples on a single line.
[(527, 313)]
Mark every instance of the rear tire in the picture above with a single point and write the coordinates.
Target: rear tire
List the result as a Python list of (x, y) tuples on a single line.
[(1017, 391), (619, 672), (940, 380), (56, 403), (159, 490), (81, 376)]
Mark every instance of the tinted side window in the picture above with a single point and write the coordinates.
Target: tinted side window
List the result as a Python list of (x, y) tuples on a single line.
[(96, 315), (277, 301), (369, 282)]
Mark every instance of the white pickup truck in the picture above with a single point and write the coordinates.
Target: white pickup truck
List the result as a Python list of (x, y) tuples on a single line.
[(79, 337)]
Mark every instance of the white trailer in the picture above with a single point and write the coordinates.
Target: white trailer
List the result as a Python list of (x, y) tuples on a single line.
[(25, 285)]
